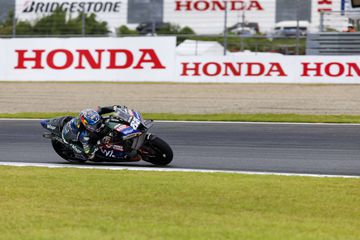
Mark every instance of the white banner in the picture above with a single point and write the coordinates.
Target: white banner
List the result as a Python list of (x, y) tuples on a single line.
[(269, 68), (154, 59), (114, 12), (88, 59), (2, 63)]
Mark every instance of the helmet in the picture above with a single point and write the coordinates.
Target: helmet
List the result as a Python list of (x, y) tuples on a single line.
[(90, 119)]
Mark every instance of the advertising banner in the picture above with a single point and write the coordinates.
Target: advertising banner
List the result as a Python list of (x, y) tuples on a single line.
[(269, 68), (203, 16), (207, 17), (88, 59), (114, 12), (154, 59), (2, 64)]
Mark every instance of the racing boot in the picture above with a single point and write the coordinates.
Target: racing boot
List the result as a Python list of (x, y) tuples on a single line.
[(134, 156)]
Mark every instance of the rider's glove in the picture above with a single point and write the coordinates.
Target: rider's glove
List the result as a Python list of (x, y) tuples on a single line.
[(91, 156), (92, 152)]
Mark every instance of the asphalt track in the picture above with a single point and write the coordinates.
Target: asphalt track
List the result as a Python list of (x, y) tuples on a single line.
[(283, 148)]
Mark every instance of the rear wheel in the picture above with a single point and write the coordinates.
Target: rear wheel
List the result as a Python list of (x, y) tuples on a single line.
[(156, 151), (65, 153)]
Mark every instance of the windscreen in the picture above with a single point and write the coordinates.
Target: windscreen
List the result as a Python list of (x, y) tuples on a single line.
[(123, 114)]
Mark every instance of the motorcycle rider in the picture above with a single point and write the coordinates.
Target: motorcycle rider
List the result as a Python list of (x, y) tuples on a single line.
[(83, 132)]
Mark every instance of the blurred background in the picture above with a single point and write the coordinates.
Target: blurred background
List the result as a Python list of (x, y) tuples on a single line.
[(201, 26)]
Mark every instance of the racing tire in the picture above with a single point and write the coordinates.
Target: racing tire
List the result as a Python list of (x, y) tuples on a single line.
[(156, 151)]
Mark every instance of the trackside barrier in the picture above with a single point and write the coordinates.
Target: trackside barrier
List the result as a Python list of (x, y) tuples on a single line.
[(88, 59), (333, 43), (154, 59), (269, 69)]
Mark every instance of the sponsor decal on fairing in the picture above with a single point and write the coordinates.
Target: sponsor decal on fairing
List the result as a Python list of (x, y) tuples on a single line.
[(51, 127), (121, 127)]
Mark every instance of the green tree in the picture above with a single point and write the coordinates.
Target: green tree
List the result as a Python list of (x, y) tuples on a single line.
[(174, 29), (6, 27), (186, 31), (24, 28), (74, 26), (124, 30), (92, 26), (55, 24), (169, 29)]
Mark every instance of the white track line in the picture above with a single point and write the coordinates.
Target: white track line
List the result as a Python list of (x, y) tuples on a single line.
[(54, 165), (261, 123)]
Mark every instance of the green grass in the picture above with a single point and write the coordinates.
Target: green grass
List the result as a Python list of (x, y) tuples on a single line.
[(40, 203), (216, 117)]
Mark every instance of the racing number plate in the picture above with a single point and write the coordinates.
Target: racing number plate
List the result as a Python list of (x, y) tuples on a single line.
[(135, 123)]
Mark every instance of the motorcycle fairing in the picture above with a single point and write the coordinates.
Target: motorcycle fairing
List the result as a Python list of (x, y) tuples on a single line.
[(113, 151), (55, 124)]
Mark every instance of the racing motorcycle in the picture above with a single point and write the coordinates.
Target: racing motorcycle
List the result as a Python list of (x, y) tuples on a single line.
[(126, 135)]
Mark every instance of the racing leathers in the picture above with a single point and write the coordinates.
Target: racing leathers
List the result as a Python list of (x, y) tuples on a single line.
[(82, 141)]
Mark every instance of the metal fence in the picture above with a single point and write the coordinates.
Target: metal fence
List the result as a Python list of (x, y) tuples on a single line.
[(333, 43), (339, 21), (234, 30), (231, 39)]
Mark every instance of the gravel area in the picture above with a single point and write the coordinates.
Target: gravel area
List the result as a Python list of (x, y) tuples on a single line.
[(181, 98)]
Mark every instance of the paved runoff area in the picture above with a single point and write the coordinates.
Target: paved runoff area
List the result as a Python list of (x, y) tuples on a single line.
[(181, 98)]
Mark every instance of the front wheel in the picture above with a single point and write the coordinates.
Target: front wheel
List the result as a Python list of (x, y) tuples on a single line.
[(156, 151)]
